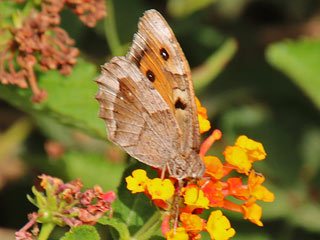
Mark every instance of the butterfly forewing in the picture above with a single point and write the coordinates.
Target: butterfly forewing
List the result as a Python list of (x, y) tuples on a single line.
[(156, 50)]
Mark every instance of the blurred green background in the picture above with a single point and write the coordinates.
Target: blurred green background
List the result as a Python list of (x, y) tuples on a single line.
[(256, 68)]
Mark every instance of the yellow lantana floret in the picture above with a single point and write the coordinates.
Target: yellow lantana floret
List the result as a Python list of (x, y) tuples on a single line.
[(178, 234), (219, 226), (255, 150), (237, 157), (194, 196), (204, 123), (244, 152), (137, 182), (258, 191), (253, 213), (160, 189)]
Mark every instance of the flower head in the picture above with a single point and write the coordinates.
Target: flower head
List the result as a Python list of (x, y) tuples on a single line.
[(189, 198), (65, 204)]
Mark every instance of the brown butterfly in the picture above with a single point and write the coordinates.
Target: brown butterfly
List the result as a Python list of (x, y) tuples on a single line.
[(148, 102)]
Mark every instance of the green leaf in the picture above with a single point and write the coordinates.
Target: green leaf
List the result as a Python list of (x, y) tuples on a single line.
[(120, 226), (40, 199), (300, 61), (83, 232), (30, 199), (70, 98)]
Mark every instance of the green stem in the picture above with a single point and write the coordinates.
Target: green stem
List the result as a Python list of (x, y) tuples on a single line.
[(214, 64), (111, 31), (14, 136), (46, 230), (149, 227)]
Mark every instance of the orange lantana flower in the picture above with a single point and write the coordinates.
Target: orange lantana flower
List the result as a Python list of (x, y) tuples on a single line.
[(192, 223), (213, 191), (214, 167)]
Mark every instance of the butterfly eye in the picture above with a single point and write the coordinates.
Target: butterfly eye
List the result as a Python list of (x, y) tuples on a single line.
[(150, 75), (180, 104), (164, 54)]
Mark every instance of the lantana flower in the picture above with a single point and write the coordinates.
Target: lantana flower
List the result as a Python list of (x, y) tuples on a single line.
[(214, 190)]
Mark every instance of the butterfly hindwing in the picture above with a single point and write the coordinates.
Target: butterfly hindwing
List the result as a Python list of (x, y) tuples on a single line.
[(137, 117)]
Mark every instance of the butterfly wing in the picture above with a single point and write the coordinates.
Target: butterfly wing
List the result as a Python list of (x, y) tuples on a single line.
[(137, 117), (158, 55)]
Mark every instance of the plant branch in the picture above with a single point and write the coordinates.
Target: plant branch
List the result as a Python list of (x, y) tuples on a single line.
[(149, 227), (46, 230)]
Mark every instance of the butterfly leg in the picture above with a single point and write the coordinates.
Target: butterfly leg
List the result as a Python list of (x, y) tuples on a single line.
[(176, 206), (163, 171)]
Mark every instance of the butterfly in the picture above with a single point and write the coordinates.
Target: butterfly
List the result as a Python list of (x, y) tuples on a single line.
[(148, 103)]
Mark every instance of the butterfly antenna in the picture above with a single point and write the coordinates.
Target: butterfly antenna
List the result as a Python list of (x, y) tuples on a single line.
[(206, 182)]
